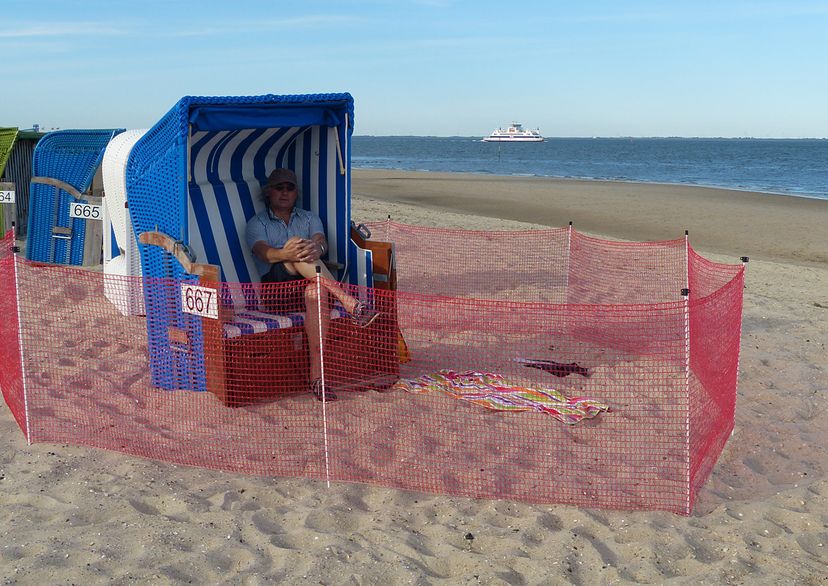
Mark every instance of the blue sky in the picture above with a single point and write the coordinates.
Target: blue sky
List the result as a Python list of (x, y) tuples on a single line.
[(430, 67)]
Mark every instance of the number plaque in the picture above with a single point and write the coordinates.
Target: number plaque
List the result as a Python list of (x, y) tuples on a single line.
[(199, 300), (85, 211)]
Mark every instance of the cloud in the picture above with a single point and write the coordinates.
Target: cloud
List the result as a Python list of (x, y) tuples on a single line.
[(259, 25), (24, 30), (435, 3), (58, 29)]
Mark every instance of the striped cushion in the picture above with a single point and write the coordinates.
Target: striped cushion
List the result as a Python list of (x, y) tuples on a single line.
[(240, 296), (257, 322)]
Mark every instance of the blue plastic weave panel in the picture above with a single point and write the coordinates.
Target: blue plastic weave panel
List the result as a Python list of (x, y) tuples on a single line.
[(156, 182), (73, 157)]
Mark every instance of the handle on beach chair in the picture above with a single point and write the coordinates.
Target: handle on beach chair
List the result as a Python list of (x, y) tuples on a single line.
[(362, 230)]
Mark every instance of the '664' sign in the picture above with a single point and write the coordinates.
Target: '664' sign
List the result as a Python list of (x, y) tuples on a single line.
[(6, 195), (199, 300)]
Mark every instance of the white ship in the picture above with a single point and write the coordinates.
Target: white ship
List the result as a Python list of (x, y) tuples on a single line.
[(514, 133)]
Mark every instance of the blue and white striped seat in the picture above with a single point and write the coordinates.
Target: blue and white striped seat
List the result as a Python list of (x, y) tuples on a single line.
[(257, 322), (247, 317)]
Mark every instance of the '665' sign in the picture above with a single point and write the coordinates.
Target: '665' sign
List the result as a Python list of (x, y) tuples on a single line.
[(85, 211)]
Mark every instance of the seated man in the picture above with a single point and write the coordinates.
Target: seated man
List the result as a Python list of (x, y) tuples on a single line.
[(287, 244)]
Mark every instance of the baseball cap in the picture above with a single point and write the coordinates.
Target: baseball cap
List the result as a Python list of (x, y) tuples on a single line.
[(281, 176)]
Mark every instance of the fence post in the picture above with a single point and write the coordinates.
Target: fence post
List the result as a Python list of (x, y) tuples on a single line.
[(16, 261), (686, 294), (745, 260), (568, 259), (319, 303)]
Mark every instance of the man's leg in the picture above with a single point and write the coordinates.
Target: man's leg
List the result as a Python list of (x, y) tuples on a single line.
[(308, 270), (313, 326)]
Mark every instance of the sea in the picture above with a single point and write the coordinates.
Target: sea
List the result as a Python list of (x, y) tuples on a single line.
[(794, 167)]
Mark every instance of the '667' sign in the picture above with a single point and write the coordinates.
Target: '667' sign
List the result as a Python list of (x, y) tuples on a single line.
[(199, 301)]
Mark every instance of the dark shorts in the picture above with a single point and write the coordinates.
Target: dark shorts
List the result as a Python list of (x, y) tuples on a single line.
[(281, 291)]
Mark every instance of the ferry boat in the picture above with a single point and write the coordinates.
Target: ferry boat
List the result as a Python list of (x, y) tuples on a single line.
[(514, 133)]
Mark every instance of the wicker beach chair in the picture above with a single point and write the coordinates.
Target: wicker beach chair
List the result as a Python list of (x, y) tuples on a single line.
[(120, 248), (63, 166), (193, 182), (7, 139), (16, 174)]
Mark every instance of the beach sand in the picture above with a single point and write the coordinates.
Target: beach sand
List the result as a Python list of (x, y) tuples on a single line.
[(84, 516)]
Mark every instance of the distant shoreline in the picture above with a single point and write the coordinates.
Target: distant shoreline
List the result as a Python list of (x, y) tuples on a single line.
[(634, 181), (794, 167), (726, 221)]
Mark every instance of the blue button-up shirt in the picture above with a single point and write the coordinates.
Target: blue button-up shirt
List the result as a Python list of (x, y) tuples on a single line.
[(272, 230)]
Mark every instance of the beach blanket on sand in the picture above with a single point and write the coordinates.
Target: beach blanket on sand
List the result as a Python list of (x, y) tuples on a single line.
[(493, 391)]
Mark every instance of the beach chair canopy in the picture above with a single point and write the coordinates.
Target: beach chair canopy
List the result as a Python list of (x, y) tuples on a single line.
[(197, 176)]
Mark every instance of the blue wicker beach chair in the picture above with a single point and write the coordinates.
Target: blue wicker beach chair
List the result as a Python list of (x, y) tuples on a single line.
[(193, 182), (63, 166)]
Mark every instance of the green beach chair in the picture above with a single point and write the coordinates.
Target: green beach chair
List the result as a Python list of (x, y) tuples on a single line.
[(7, 138)]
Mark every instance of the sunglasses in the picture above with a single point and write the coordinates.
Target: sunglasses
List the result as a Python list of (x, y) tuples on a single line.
[(283, 187)]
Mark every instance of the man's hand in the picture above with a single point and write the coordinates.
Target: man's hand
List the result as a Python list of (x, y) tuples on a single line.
[(300, 250)]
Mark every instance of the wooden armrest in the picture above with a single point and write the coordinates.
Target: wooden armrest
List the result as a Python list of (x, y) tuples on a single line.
[(70, 189), (382, 253), (181, 253)]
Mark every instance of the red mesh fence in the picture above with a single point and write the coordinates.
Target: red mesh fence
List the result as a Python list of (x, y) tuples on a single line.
[(481, 376), (11, 374), (715, 334)]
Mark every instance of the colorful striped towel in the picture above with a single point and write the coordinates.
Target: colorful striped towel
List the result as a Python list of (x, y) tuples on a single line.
[(493, 391)]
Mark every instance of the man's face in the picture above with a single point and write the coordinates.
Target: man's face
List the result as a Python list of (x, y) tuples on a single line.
[(282, 196)]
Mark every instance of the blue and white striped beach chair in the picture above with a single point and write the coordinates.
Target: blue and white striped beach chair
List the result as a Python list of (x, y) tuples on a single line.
[(195, 178)]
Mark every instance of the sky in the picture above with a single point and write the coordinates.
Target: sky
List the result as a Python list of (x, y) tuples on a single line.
[(731, 68)]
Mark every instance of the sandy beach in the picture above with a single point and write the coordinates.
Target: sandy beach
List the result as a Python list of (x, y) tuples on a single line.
[(76, 515)]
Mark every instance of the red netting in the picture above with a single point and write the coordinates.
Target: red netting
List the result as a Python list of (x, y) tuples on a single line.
[(629, 392), (11, 375)]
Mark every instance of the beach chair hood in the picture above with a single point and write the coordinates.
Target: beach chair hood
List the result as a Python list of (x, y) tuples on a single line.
[(197, 174)]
